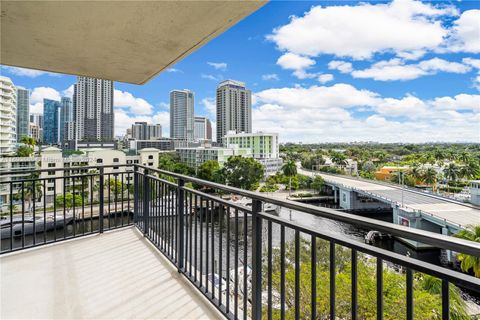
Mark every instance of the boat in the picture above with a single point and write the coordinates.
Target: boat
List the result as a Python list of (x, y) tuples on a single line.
[(373, 235), (268, 207), (14, 225)]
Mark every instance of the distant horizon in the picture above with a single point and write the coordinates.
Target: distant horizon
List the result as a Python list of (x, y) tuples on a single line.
[(419, 82)]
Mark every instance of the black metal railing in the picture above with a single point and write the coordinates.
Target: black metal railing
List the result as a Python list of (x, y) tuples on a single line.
[(56, 204), (252, 264)]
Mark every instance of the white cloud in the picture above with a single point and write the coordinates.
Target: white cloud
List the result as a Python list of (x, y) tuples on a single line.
[(396, 69), (406, 27), (299, 64), (31, 73), (68, 92), (270, 76), (324, 78), (210, 106), (125, 100), (472, 62), (313, 114), (174, 70), (38, 94), (222, 66), (211, 77), (465, 34), (342, 66)]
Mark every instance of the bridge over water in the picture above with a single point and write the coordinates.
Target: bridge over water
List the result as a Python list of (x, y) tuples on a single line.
[(413, 208)]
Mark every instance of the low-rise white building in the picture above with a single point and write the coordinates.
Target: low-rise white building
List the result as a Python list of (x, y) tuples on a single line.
[(264, 148), (194, 157)]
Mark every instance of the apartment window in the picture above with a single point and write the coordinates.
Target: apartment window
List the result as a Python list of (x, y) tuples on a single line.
[(51, 173), (51, 165), (115, 160), (50, 188), (135, 161), (150, 163), (129, 161), (99, 160), (51, 180), (150, 157)]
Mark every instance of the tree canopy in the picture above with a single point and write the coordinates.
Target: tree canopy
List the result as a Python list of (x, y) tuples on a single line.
[(244, 173)]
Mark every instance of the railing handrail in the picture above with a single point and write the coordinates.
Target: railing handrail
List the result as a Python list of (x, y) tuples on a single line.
[(434, 239), (458, 278), (6, 173)]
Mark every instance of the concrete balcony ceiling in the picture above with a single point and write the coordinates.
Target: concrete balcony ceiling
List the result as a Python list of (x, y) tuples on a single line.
[(126, 41)]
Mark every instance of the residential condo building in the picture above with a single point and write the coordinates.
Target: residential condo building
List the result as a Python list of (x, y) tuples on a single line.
[(182, 115), (68, 123), (264, 146), (23, 113), (93, 109), (194, 157), (145, 131), (234, 108), (203, 129), (8, 116)]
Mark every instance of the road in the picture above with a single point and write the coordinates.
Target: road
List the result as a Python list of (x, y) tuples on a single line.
[(455, 213)]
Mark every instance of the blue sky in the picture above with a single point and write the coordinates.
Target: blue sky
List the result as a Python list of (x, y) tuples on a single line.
[(402, 71)]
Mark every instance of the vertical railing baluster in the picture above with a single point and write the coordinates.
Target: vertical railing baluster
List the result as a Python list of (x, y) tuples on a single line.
[(212, 243), (201, 243), (445, 300), (269, 270), (220, 249), (354, 285), (23, 214), (64, 207), (11, 216), (256, 259), (332, 280), (227, 275), (83, 205), (313, 279), (146, 199), (44, 211), (245, 264), (282, 272), (236, 266), (73, 206), (297, 274), (101, 204), (207, 246), (180, 224), (34, 186), (196, 239), (379, 289), (135, 194), (409, 294)]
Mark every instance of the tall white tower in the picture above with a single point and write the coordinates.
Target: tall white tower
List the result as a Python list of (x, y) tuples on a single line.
[(8, 116), (182, 114)]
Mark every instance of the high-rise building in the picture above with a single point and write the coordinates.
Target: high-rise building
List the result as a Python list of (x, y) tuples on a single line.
[(8, 116), (181, 114), (234, 108), (93, 109), (203, 128), (23, 113), (145, 131), (67, 121), (36, 126), (52, 119), (35, 132)]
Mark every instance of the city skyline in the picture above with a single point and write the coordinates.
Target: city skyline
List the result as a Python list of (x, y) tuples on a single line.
[(400, 87)]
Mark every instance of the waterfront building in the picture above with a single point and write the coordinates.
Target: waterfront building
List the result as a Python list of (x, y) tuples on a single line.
[(23, 113), (203, 129), (182, 114), (93, 109), (8, 116), (234, 108)]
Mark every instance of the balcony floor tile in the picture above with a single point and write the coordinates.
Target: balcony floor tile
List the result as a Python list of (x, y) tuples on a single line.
[(116, 275)]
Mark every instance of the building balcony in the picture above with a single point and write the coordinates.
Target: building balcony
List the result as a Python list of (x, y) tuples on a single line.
[(109, 246)]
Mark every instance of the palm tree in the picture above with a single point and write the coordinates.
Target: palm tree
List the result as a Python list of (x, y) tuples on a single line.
[(417, 173), (290, 170), (464, 157), (469, 170), (451, 173), (468, 262), (430, 177), (29, 141), (339, 158)]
